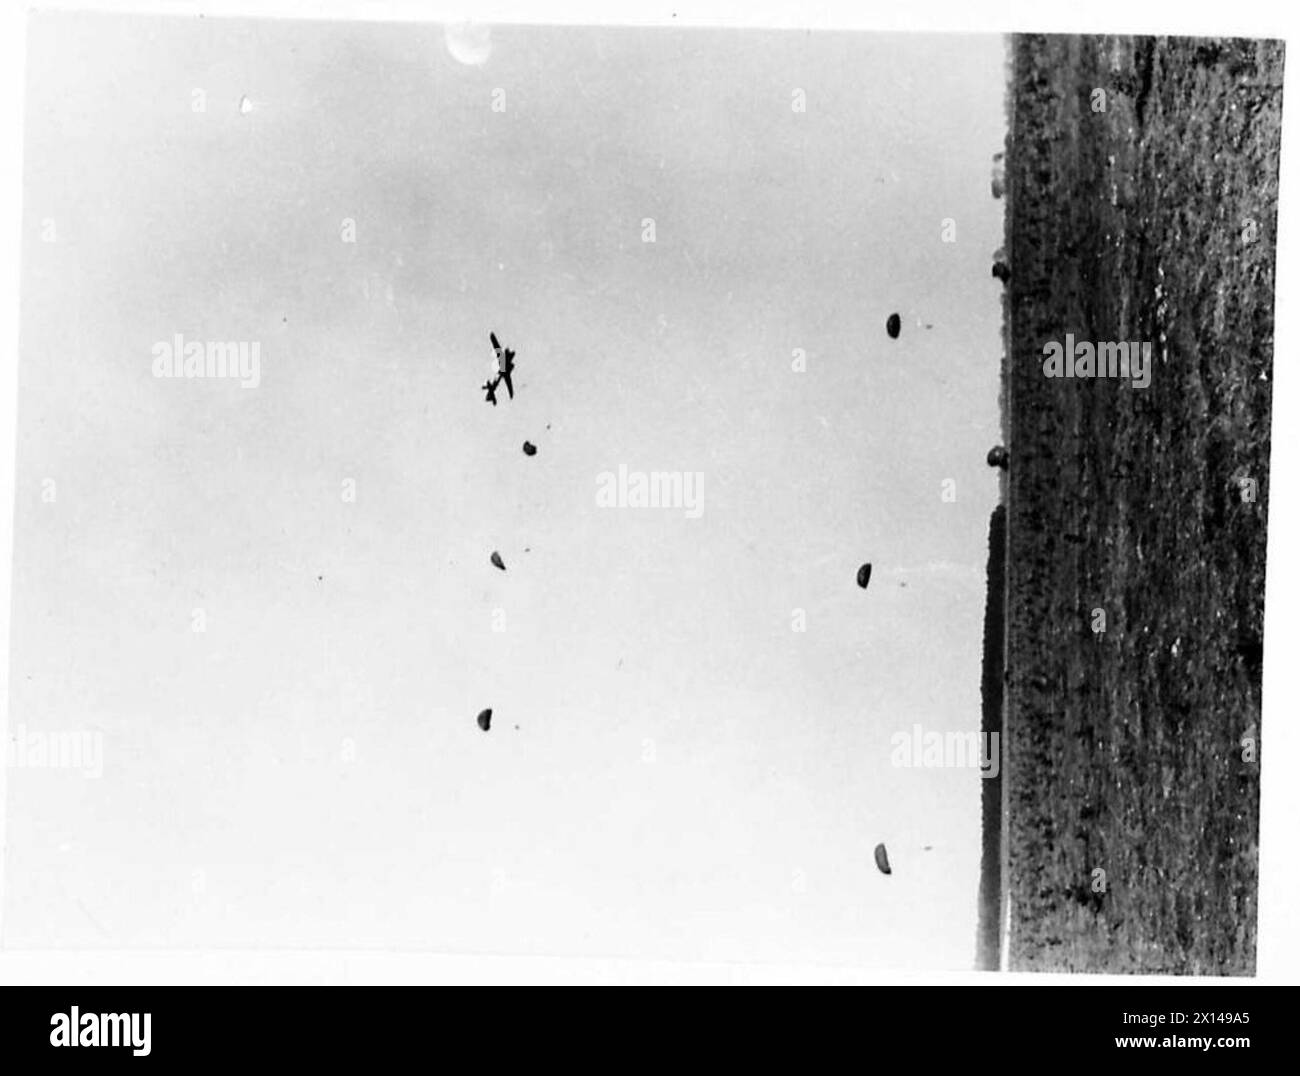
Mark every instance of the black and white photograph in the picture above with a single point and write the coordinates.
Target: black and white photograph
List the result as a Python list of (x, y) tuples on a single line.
[(697, 495)]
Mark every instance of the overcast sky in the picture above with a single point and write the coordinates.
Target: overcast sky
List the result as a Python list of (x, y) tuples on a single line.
[(689, 777)]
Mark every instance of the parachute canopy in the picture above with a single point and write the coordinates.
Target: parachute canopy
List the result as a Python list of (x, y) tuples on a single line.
[(893, 326), (485, 719), (496, 559), (882, 859), (864, 576)]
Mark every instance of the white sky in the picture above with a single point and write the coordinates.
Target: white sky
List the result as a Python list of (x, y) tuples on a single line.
[(225, 814)]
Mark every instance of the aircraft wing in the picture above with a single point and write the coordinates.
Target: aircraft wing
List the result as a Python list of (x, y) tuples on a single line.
[(510, 388)]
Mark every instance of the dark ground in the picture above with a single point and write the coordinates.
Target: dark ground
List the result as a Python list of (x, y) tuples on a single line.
[(990, 891), (1123, 751)]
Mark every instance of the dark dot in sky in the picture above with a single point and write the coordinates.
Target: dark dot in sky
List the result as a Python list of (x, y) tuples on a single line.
[(864, 576), (319, 578), (485, 719), (496, 559), (893, 326), (530, 449)]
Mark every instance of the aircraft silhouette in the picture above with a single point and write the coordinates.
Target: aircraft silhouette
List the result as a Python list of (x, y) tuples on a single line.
[(505, 365)]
